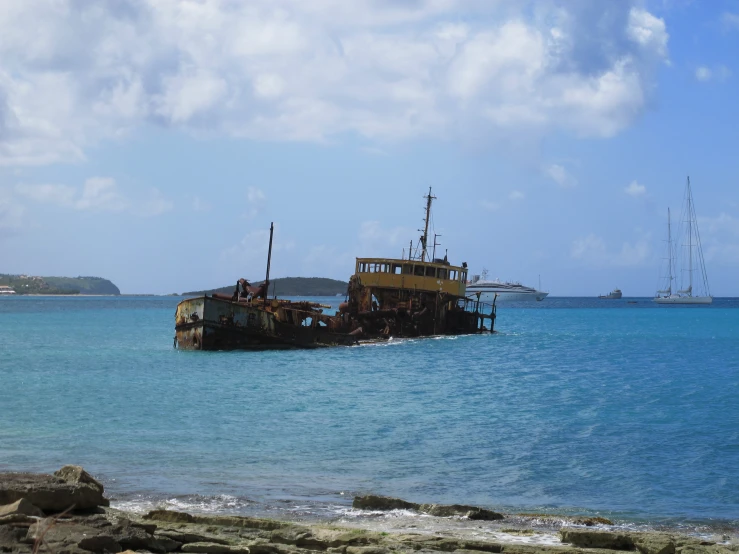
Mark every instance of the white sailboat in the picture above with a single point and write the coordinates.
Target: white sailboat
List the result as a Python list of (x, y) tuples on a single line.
[(691, 261)]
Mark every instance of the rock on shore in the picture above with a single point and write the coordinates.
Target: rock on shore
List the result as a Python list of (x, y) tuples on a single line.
[(71, 486), (373, 502), (26, 525)]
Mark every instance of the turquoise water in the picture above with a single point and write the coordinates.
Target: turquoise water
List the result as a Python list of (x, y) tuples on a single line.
[(575, 406)]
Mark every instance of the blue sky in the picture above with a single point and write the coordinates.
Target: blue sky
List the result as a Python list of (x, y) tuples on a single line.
[(152, 142)]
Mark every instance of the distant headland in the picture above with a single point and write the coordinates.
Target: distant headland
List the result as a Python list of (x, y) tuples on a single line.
[(289, 286), (33, 284)]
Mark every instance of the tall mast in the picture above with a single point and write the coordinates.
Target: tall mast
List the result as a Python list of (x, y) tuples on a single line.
[(669, 253), (269, 260), (424, 240), (690, 243)]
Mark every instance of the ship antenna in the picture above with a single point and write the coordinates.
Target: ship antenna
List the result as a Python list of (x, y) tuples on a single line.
[(269, 260), (425, 238), (433, 256)]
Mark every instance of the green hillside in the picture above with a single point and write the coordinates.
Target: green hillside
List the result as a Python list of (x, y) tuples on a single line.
[(289, 286), (26, 284)]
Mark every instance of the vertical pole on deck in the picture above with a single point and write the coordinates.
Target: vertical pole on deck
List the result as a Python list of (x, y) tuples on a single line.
[(269, 261), (425, 237)]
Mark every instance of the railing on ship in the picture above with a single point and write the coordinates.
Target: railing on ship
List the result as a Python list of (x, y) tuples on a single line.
[(484, 310)]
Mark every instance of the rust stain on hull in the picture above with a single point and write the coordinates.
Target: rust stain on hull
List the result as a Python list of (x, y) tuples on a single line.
[(226, 325)]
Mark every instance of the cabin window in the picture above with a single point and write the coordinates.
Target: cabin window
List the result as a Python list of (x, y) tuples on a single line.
[(464, 276), (453, 274), (430, 271), (442, 273), (418, 270), (361, 267), (408, 269), (397, 269)]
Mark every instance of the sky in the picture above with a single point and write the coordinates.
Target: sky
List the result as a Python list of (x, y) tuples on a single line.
[(152, 142)]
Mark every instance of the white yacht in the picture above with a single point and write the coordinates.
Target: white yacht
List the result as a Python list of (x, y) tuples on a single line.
[(501, 291), (691, 259)]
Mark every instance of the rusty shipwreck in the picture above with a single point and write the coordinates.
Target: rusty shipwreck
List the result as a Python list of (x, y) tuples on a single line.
[(413, 296)]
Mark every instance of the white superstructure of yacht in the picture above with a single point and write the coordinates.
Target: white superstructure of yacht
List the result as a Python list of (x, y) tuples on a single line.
[(506, 291)]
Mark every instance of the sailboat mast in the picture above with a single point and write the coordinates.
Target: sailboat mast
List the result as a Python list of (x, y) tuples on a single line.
[(669, 253), (429, 198), (690, 242)]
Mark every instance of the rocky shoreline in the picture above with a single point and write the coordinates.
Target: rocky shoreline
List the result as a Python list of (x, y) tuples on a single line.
[(67, 513)]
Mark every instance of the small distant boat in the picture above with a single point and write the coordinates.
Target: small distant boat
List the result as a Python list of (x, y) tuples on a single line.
[(615, 294), (691, 260)]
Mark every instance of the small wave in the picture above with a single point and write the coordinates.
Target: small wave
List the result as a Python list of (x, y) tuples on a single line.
[(193, 503), (533, 538), (389, 514)]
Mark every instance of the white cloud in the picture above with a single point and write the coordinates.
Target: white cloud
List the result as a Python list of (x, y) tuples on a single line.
[(649, 31), (324, 260), (11, 215), (375, 232), (101, 194), (268, 85), (516, 195), (255, 199), (97, 194), (255, 195), (635, 189), (721, 224), (155, 204), (720, 236), (730, 20), (60, 195), (560, 176), (249, 255), (189, 93), (593, 251), (199, 205), (703, 73), (718, 73), (490, 206), (77, 73), (589, 247)]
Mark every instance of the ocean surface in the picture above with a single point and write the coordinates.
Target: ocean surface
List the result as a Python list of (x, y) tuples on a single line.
[(576, 406)]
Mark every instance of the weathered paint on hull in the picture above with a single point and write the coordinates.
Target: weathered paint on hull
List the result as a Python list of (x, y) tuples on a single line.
[(207, 323)]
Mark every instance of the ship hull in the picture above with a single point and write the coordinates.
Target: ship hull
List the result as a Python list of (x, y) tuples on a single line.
[(684, 300), (507, 296), (207, 323)]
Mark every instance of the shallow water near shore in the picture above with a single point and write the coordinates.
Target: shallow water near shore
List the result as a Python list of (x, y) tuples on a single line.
[(576, 406)]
